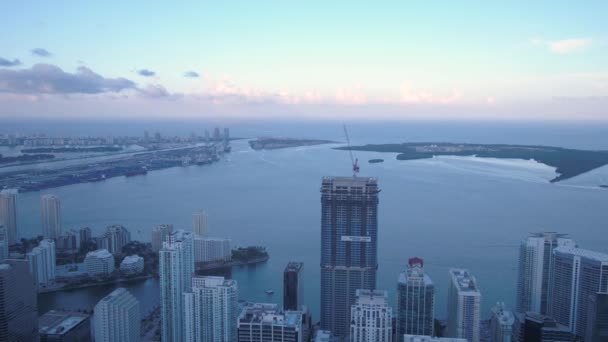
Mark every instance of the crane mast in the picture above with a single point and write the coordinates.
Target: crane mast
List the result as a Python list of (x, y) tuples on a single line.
[(354, 161)]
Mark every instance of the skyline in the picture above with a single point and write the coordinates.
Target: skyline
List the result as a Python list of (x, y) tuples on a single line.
[(275, 60)]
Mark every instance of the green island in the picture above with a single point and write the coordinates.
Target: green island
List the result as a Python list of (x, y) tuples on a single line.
[(374, 161), (567, 162), (72, 149), (276, 143)]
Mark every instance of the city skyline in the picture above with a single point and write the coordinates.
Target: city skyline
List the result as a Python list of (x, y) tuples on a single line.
[(277, 60)]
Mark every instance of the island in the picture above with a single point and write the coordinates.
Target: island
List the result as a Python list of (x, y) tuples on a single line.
[(277, 143), (25, 158), (375, 161), (72, 149), (568, 163)]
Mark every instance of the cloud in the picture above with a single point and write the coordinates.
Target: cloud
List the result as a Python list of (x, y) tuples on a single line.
[(50, 79), (154, 91), (146, 72), (408, 95), (564, 46), (40, 52), (191, 74), (8, 63)]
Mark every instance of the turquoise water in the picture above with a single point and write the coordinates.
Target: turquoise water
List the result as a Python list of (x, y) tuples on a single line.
[(452, 212)]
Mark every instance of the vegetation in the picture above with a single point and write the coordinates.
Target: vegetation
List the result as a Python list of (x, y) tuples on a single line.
[(568, 162), (25, 158), (245, 254), (72, 149), (373, 161)]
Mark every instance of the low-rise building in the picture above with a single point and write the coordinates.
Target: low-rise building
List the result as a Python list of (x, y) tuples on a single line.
[(64, 326), (211, 249), (99, 263), (132, 264)]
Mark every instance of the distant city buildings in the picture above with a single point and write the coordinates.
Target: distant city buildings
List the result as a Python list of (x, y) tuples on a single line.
[(208, 249), (199, 223), (18, 302), (117, 318), (132, 265), (535, 264), (159, 234), (371, 318), (211, 310), (8, 214), (114, 239), (415, 301), (421, 338), (293, 287), (51, 216), (41, 261), (99, 263), (68, 242), (536, 327), (64, 326), (349, 232), (261, 322), (577, 274), (176, 260), (4, 250), (85, 235), (501, 324), (464, 306)]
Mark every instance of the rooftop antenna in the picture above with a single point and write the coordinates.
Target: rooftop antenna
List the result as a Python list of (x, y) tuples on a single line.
[(354, 161)]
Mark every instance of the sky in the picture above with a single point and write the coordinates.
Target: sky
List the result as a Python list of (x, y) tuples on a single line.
[(542, 60)]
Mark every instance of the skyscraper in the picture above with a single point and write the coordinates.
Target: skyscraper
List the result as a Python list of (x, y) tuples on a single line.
[(535, 263), (371, 318), (577, 274), (117, 317), (293, 292), (51, 216), (501, 324), (597, 318), (114, 239), (531, 326), (41, 261), (159, 234), (464, 306), (415, 301), (261, 322), (8, 213), (18, 302), (211, 310), (349, 233), (176, 269), (199, 223), (4, 251)]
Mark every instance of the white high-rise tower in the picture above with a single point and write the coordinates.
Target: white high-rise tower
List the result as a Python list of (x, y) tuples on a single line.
[(51, 216), (41, 261), (199, 223), (8, 214), (464, 306), (371, 318), (176, 270), (117, 318)]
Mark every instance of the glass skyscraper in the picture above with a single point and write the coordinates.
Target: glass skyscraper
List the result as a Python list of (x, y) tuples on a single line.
[(415, 301), (349, 242)]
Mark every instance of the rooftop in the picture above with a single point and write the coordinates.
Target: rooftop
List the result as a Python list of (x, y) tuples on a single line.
[(267, 313), (464, 281), (294, 266), (132, 259), (585, 253), (372, 297), (212, 281), (504, 316), (60, 322)]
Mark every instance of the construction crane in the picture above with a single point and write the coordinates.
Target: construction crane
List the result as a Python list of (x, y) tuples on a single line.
[(354, 161)]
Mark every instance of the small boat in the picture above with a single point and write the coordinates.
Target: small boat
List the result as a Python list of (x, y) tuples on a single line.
[(269, 292)]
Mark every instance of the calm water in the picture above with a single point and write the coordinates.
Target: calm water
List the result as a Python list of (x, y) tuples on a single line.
[(453, 212)]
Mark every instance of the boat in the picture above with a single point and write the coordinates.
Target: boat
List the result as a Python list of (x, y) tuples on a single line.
[(269, 292)]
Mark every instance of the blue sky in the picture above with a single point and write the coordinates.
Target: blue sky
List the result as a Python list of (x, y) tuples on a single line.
[(318, 59)]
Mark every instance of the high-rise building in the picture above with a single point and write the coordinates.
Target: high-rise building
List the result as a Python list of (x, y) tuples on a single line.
[(371, 318), (68, 242), (531, 326), (260, 322), (51, 216), (426, 338), (293, 287), (349, 256), (535, 263), (199, 223), (18, 302), (117, 317), (99, 263), (464, 306), (64, 326), (226, 134), (159, 234), (577, 274), (501, 324), (41, 261), (85, 235), (207, 249), (4, 251), (597, 318), (415, 301), (176, 267), (114, 239), (216, 134), (211, 310), (8, 214)]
